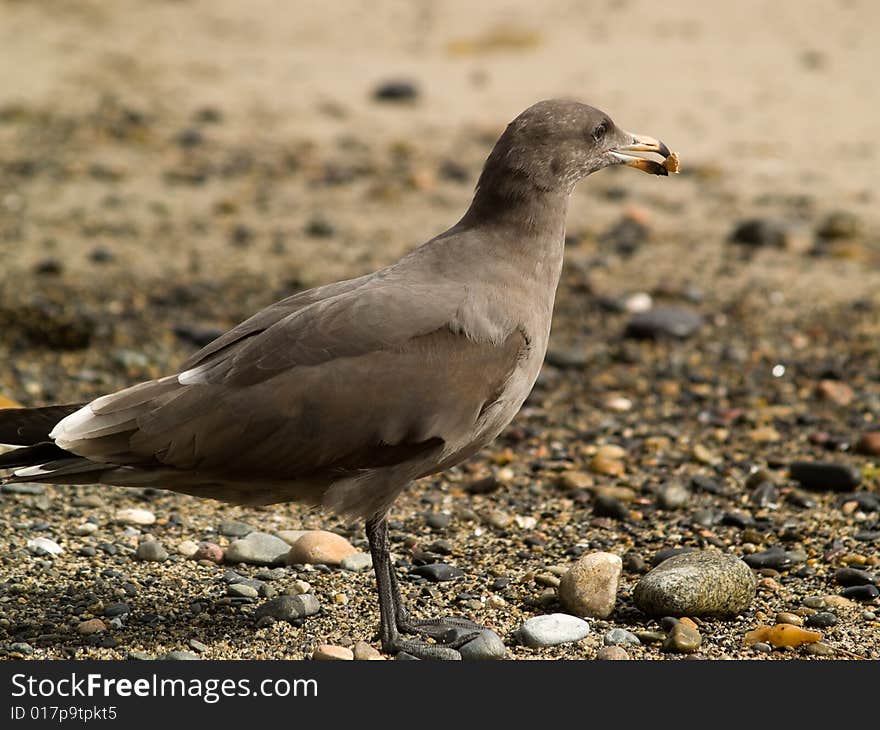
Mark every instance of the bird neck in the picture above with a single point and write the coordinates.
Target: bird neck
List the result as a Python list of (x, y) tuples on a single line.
[(516, 205)]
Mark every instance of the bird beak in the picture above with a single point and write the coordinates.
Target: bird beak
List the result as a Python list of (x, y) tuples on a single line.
[(643, 143)]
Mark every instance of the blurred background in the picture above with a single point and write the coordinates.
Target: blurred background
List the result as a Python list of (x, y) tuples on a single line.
[(168, 167)]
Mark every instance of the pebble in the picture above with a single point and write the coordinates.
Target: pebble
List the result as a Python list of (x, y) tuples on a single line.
[(853, 577), (329, 652), (33, 489), (820, 649), (86, 528), (22, 647), (650, 637), (112, 610), (187, 548), (44, 546), (258, 548), (396, 90), (151, 550), (664, 321), (701, 583), (612, 653), (231, 528), (589, 587), (682, 639), (774, 557), (861, 593), (92, 626), (487, 645), (289, 608), (364, 652), (621, 637), (209, 551), (242, 590), (784, 617), (552, 629), (182, 656), (759, 233), (869, 444), (135, 516), (782, 635), (319, 547), (437, 572), (821, 620), (357, 562), (835, 391), (762, 647), (673, 495), (825, 475)]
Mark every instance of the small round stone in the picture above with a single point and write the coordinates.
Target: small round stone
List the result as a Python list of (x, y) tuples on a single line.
[(821, 620), (242, 590), (438, 572), (357, 562), (784, 617), (612, 653), (621, 637), (289, 608), (187, 548), (209, 551), (364, 652), (319, 547), (705, 583), (135, 516), (329, 652), (553, 629), (258, 548), (861, 593), (151, 550), (92, 626), (487, 645), (182, 656), (44, 546), (589, 587), (682, 639)]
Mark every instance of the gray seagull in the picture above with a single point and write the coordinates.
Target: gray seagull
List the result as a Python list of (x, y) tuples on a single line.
[(342, 395)]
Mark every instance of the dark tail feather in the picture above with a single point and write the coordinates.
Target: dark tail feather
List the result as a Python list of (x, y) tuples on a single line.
[(28, 426), (33, 455)]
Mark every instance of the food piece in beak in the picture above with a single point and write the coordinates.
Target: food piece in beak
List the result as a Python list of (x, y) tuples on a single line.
[(643, 143), (671, 163)]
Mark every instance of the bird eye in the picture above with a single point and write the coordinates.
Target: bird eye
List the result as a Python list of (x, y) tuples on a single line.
[(599, 130)]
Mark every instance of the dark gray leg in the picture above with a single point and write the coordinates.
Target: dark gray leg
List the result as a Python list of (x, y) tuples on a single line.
[(394, 617)]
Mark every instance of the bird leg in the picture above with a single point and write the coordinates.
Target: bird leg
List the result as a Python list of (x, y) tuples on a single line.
[(449, 633)]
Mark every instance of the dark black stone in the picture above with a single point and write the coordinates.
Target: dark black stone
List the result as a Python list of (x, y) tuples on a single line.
[(737, 519), (867, 501), (821, 620), (759, 233), (626, 236), (853, 577), (116, 609), (437, 572), (861, 593), (88, 551), (774, 557), (703, 483), (867, 535), (396, 90), (605, 506), (438, 520), (825, 475), (663, 321), (487, 485)]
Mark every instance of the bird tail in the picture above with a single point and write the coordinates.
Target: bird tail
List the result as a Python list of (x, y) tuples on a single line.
[(29, 426), (36, 455)]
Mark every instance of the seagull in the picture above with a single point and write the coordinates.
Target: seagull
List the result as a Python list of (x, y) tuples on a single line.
[(340, 396)]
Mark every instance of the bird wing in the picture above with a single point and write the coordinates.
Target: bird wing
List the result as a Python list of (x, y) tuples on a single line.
[(373, 376)]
